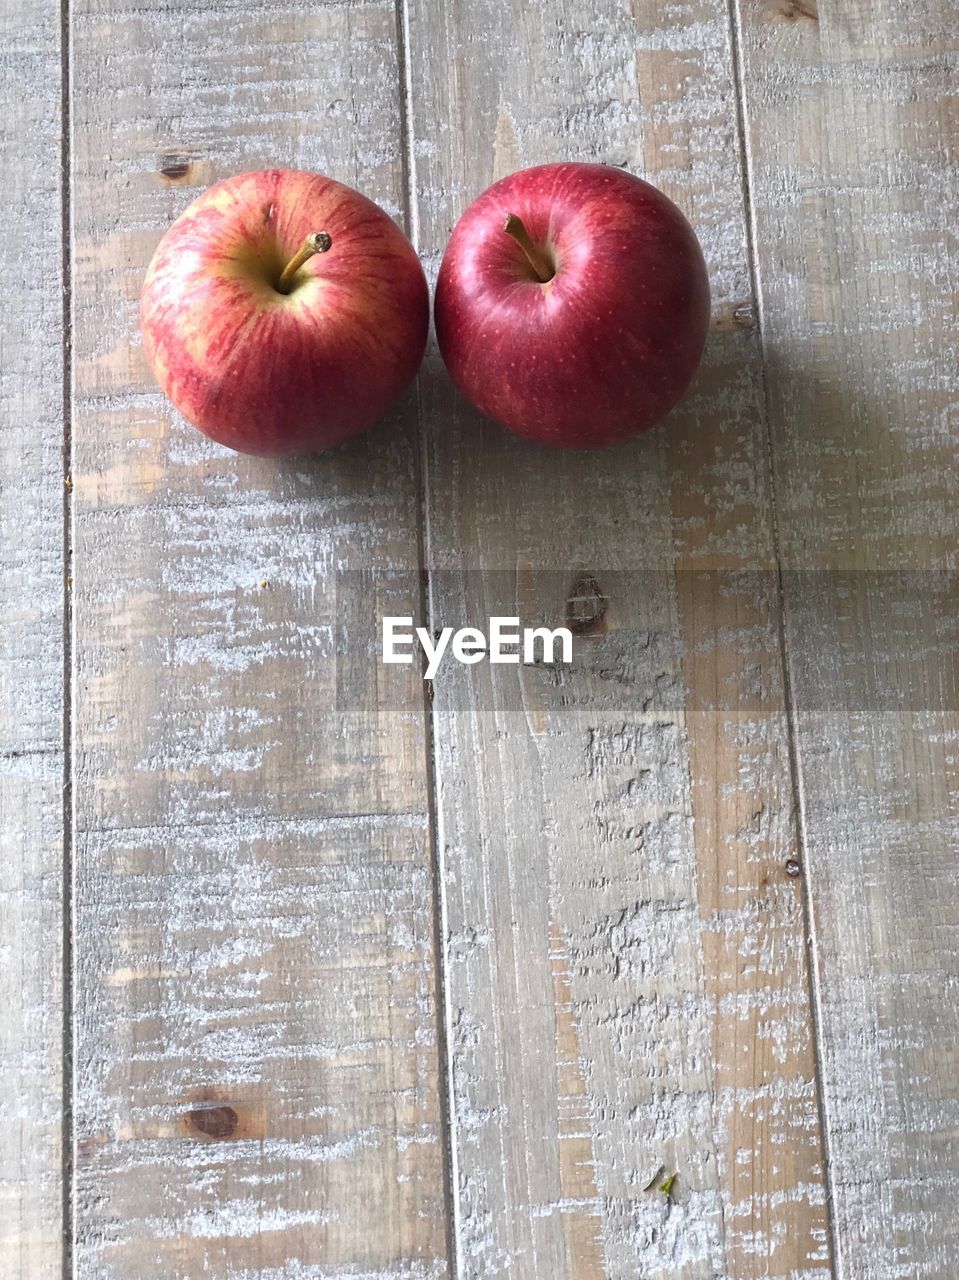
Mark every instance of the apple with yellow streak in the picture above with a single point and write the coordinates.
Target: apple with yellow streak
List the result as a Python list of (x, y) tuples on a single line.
[(284, 312)]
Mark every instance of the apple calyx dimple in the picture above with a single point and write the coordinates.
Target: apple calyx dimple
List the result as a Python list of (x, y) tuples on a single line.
[(543, 267), (315, 242)]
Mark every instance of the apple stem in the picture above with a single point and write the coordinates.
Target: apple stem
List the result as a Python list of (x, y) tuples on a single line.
[(315, 242), (538, 260)]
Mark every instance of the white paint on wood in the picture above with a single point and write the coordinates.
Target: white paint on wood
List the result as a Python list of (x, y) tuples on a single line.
[(256, 1055), (31, 631), (624, 949), (851, 108), (626, 983)]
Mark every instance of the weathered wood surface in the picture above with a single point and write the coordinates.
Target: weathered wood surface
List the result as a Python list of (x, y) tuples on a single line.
[(624, 949), (256, 1064), (31, 634), (852, 124), (257, 1067)]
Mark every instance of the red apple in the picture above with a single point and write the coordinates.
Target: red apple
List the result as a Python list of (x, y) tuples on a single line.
[(284, 312), (572, 304)]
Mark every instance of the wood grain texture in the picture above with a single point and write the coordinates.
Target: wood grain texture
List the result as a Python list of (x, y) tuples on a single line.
[(256, 1058), (31, 632), (852, 123), (624, 949)]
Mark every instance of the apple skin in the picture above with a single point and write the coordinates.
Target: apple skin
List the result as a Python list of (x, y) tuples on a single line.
[(275, 373), (605, 348)]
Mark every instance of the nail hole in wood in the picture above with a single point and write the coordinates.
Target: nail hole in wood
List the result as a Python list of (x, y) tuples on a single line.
[(586, 606), (214, 1122), (173, 166)]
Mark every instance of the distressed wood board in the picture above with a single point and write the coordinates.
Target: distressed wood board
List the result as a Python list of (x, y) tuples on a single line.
[(853, 118), (31, 645), (625, 963), (255, 1055)]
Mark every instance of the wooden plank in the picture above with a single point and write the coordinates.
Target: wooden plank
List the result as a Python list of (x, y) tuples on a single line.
[(627, 985), (255, 1023), (852, 113), (31, 634)]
